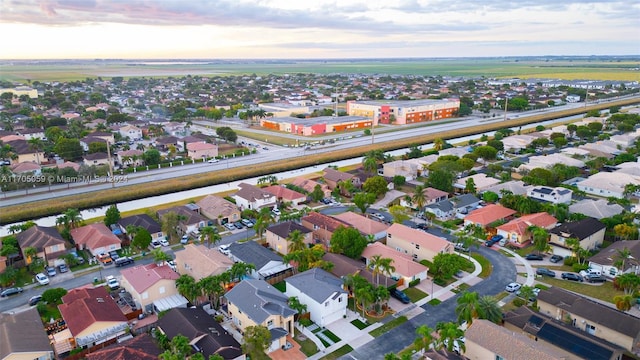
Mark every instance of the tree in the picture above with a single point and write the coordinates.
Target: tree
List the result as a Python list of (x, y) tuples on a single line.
[(151, 157), (211, 287), (425, 339), (490, 197), (418, 198), (622, 255), (256, 339), (362, 200), (53, 295), (470, 186), (210, 234), (179, 348), (348, 241), (438, 144), (142, 238), (240, 270), (187, 287), (73, 218), (445, 265), (624, 302), (448, 335), (540, 238), (629, 283), (467, 308), (170, 222), (68, 149), (441, 180), (371, 159), (376, 185), (295, 241), (487, 153), (296, 305), (317, 194), (160, 256), (399, 214), (112, 215), (37, 145), (526, 292)]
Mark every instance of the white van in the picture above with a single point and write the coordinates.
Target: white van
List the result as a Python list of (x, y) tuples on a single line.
[(590, 271)]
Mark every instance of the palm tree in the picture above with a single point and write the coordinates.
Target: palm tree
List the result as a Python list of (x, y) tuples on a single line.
[(387, 269), (295, 304), (36, 144), (295, 241), (211, 288), (622, 255), (467, 308), (488, 309), (30, 254), (448, 335), (365, 296), (239, 270), (74, 217), (438, 144), (371, 160), (210, 234), (540, 238), (425, 339), (187, 287), (375, 265), (624, 302), (418, 197)]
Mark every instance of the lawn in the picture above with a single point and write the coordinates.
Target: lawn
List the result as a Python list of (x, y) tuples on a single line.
[(604, 292), (434, 302), (388, 326), (48, 312), (415, 294), (307, 346), (359, 324), (338, 353), (331, 336), (282, 286), (487, 268)]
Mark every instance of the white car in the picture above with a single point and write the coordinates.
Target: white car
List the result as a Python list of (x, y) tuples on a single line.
[(172, 265), (42, 279), (112, 282), (247, 223), (155, 244), (213, 161), (276, 211), (224, 249), (513, 287), (164, 242)]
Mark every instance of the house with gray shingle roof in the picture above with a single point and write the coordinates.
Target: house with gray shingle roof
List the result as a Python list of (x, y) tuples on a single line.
[(278, 235), (597, 209), (255, 302), (322, 292), (270, 266)]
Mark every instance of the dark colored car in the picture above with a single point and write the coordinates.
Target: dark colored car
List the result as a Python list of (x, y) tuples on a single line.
[(593, 278), (11, 291), (533, 257), (423, 227), (494, 239), (398, 294), (238, 225), (546, 272), (572, 277), (556, 258), (34, 300)]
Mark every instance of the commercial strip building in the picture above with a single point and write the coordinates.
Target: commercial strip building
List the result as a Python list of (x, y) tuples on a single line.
[(404, 112), (317, 125)]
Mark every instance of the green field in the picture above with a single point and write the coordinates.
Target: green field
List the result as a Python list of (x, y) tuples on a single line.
[(488, 67)]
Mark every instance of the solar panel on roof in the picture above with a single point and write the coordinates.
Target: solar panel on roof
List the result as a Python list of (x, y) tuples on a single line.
[(573, 344)]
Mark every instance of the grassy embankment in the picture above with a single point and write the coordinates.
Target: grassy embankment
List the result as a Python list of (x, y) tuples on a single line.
[(55, 206)]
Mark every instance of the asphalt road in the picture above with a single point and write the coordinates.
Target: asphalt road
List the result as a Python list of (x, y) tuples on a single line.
[(395, 340)]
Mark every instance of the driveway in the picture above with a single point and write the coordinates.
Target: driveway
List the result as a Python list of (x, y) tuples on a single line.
[(402, 336)]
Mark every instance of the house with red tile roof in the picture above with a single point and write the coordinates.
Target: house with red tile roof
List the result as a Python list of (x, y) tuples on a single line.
[(149, 284), (488, 215), (97, 238), (201, 150), (372, 229), (517, 231), (283, 194), (418, 244), (47, 241), (322, 226), (141, 347), (404, 266), (92, 316), (25, 168), (310, 185)]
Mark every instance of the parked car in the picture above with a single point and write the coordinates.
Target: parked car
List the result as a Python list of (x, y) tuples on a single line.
[(534, 257), (114, 255), (276, 211), (51, 271), (184, 240), (461, 247), (164, 242), (513, 287), (494, 239), (34, 300), (229, 226), (155, 244), (556, 258), (594, 278), (124, 261), (423, 227), (398, 294), (247, 223), (224, 249), (571, 276), (105, 259), (172, 265), (112, 282), (213, 161), (79, 259), (238, 225), (42, 279), (545, 272), (63, 268), (11, 291)]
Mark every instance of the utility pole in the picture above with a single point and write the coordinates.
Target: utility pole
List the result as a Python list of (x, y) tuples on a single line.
[(113, 183), (506, 105)]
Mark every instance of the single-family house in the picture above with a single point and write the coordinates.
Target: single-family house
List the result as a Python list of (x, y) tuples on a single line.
[(558, 195), (589, 231), (547, 161), (332, 177), (97, 238), (321, 292), (408, 169), (618, 258), (166, 142), (608, 184), (254, 302), (284, 194), (488, 215), (26, 169), (517, 143), (96, 159), (141, 347), (144, 221), (202, 150), (418, 244), (405, 268), (130, 131), (597, 209), (515, 187), (219, 210), (310, 185), (431, 196), (47, 241), (594, 318), (270, 266), (343, 266), (277, 235), (92, 317), (252, 197), (205, 334), (25, 152), (190, 219), (373, 230), (32, 133), (23, 336), (199, 261), (152, 287), (322, 227), (131, 157), (560, 336), (481, 182), (457, 206), (517, 231)]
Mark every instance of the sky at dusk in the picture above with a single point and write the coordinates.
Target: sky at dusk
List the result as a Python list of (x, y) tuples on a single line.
[(264, 29)]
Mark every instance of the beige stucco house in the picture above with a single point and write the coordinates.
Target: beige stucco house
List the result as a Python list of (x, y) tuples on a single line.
[(218, 209), (418, 244), (198, 261), (149, 283), (277, 235)]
